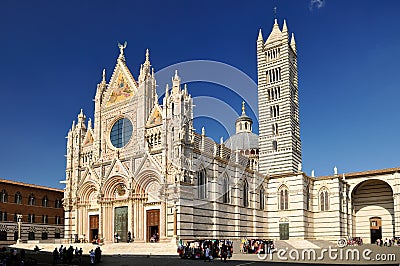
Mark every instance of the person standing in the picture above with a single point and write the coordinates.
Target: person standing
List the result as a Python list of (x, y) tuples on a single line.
[(129, 237), (91, 253)]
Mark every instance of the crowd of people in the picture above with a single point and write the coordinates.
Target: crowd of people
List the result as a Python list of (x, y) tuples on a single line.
[(12, 257), (395, 241), (206, 249), (251, 246), (354, 241), (62, 255)]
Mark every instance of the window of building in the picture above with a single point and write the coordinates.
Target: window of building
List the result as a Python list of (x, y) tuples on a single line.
[(31, 218), (58, 203), (262, 198), (245, 194), (3, 216), (31, 236), (18, 198), (202, 184), (45, 219), (45, 201), (324, 199), (283, 193), (274, 145), (57, 235), (226, 190), (275, 128), (3, 196), (121, 132), (15, 235), (3, 235), (31, 200), (44, 235)]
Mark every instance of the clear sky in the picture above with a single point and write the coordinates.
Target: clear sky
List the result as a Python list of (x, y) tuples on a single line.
[(52, 54)]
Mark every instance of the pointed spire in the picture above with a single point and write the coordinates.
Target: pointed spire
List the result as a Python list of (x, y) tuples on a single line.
[(260, 37), (90, 123), (166, 91), (293, 42), (73, 125), (155, 98), (147, 55), (176, 77), (176, 82), (243, 109), (81, 120), (147, 61), (284, 28), (104, 76), (185, 89), (203, 131), (221, 140), (276, 33)]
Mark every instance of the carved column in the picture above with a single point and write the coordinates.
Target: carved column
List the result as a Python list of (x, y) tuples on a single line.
[(163, 218), (100, 234), (396, 202)]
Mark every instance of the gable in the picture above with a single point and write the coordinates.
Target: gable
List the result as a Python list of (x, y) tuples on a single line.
[(155, 117), (120, 90), (88, 138)]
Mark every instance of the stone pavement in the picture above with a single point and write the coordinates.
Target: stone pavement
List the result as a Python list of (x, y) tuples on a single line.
[(315, 253)]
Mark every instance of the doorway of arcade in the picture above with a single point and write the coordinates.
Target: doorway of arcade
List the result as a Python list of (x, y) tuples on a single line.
[(375, 228), (153, 225)]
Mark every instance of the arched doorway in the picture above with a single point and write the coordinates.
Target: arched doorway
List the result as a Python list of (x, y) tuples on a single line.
[(373, 210), (375, 228), (284, 229)]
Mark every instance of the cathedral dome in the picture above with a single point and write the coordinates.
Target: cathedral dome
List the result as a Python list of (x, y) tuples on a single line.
[(242, 141), (244, 138)]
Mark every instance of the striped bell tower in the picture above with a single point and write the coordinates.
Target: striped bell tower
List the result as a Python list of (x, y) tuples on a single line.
[(278, 102)]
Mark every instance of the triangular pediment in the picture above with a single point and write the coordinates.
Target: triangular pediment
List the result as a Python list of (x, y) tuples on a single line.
[(122, 85), (155, 117), (117, 168)]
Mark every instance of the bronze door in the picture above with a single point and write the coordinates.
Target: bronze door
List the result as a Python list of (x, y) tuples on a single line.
[(121, 223)]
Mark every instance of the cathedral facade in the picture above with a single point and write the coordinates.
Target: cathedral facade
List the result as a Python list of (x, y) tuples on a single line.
[(141, 169)]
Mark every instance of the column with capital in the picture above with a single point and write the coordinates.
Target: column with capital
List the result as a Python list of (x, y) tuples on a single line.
[(396, 202), (100, 233), (163, 218)]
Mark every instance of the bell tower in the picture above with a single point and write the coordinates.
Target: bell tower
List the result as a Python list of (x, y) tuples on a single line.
[(278, 102)]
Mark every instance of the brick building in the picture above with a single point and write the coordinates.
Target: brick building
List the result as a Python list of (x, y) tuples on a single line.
[(41, 209)]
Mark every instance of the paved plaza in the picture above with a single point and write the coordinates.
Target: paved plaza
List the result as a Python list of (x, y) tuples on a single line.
[(315, 253)]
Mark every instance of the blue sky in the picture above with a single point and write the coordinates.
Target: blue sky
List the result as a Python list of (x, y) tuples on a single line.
[(53, 52)]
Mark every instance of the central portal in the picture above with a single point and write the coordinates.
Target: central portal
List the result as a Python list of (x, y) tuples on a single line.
[(121, 223), (153, 224)]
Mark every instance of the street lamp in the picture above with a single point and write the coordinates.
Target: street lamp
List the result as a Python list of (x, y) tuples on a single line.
[(19, 221)]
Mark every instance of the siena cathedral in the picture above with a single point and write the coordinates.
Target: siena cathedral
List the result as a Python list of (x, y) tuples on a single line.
[(140, 167)]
